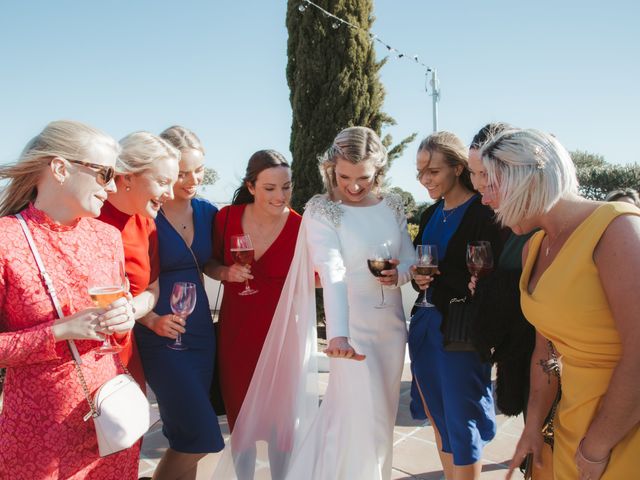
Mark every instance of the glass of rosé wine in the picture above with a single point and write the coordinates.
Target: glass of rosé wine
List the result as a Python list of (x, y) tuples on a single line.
[(242, 254)]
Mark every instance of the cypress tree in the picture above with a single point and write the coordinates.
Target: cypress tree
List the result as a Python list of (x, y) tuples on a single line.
[(334, 82)]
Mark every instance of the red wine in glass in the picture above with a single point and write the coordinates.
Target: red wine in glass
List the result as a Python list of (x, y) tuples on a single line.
[(378, 261), (242, 253), (479, 258), (376, 267), (426, 264)]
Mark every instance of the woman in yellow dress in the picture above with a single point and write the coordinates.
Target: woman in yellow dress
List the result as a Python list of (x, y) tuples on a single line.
[(581, 289)]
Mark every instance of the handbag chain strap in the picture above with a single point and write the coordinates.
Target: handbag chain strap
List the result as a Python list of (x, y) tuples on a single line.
[(54, 299)]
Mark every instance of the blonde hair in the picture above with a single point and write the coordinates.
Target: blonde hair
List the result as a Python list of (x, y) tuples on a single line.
[(182, 138), (140, 150), (453, 150), (533, 171), (356, 145), (62, 138)]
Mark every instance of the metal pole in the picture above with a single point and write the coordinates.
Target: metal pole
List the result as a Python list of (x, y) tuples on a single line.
[(435, 96)]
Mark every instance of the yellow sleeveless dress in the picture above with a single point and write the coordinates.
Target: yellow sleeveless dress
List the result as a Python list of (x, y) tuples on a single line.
[(569, 307)]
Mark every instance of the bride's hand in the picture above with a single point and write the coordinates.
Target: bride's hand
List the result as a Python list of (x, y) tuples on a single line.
[(390, 277), (339, 347)]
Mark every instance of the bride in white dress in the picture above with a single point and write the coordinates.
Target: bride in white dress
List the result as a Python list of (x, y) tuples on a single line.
[(350, 436)]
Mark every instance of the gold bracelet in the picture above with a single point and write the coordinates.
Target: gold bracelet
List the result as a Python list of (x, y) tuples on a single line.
[(593, 462)]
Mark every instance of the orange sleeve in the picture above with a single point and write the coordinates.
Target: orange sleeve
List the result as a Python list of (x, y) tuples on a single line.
[(154, 256)]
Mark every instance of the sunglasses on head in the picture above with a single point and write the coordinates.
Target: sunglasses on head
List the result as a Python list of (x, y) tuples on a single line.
[(104, 173)]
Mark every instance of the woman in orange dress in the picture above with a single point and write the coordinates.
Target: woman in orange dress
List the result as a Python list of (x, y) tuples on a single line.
[(146, 171), (579, 288), (59, 185)]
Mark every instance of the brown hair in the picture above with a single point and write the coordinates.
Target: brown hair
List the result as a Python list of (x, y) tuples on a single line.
[(258, 162), (454, 151)]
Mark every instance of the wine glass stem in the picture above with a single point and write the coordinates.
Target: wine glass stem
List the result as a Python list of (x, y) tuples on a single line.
[(382, 293), (246, 286), (179, 339)]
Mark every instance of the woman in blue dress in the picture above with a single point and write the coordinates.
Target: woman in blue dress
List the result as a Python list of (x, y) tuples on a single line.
[(452, 388), (181, 379)]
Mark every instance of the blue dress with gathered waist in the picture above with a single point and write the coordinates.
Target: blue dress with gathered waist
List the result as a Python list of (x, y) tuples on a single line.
[(456, 385), (181, 379)]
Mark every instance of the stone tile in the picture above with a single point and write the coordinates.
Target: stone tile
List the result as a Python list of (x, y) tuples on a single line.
[(154, 445), (416, 458), (500, 449), (493, 471), (146, 468)]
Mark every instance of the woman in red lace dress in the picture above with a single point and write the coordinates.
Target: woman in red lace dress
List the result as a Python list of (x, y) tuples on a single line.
[(146, 171), (59, 184)]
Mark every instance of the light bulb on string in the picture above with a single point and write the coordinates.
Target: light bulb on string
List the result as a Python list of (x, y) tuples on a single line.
[(302, 7), (335, 25)]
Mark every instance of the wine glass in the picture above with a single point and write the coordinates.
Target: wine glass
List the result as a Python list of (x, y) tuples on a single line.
[(426, 264), (479, 258), (105, 286), (183, 301), (379, 260), (242, 253)]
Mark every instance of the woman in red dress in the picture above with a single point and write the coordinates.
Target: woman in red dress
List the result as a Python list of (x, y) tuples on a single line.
[(146, 171), (59, 184), (260, 209)]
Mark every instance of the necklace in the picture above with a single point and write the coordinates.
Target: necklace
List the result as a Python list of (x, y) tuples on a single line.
[(445, 216), (550, 243)]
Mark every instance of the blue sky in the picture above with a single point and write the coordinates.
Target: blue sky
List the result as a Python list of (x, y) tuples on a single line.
[(218, 67)]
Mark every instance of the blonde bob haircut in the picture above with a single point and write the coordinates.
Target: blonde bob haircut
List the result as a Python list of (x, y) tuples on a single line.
[(532, 171), (182, 138), (66, 139), (140, 150), (355, 145)]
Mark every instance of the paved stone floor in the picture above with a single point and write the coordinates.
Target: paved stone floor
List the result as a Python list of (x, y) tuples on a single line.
[(415, 454)]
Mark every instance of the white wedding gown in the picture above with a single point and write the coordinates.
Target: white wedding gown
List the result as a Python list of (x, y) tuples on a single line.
[(350, 436)]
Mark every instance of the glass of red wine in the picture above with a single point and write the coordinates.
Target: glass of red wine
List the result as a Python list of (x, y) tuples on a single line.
[(426, 264), (379, 260), (479, 258), (242, 254), (183, 301)]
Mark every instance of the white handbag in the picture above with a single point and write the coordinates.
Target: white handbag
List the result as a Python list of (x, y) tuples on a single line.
[(120, 411), (121, 414)]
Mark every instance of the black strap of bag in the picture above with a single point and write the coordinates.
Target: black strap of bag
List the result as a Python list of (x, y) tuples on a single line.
[(456, 326), (215, 393)]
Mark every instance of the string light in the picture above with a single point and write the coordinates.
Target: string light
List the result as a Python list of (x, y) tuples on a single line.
[(337, 22)]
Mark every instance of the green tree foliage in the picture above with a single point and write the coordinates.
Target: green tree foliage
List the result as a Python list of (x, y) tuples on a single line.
[(407, 199), (596, 182), (584, 159), (334, 82), (210, 176), (597, 177)]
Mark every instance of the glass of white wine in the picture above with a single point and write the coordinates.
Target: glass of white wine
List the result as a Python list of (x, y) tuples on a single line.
[(105, 286)]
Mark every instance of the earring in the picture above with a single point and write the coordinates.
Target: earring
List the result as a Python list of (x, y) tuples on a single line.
[(61, 182), (127, 188)]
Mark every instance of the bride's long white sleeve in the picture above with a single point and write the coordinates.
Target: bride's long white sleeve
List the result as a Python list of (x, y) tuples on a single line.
[(326, 254)]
